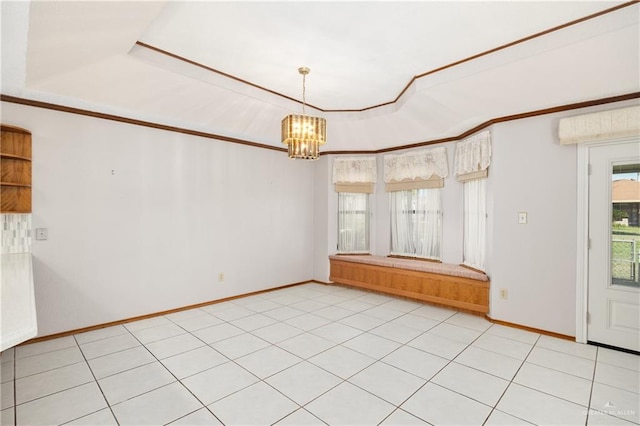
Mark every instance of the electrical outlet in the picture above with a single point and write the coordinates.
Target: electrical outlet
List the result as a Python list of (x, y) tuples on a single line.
[(504, 293), (522, 218), (221, 277), (42, 233)]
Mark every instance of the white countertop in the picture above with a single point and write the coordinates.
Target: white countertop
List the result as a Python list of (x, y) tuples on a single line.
[(17, 300)]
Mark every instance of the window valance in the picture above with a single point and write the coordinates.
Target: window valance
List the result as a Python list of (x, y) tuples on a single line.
[(355, 174), (617, 123), (426, 168), (473, 156)]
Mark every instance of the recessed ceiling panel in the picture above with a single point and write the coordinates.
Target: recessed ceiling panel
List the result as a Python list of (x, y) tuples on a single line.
[(360, 53)]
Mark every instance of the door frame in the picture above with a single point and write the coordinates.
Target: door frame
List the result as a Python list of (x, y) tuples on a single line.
[(582, 232)]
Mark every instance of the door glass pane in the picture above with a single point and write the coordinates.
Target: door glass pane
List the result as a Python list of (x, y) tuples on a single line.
[(625, 229)]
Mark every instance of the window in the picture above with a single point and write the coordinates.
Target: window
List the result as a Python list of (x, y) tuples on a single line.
[(416, 223), (475, 223), (414, 180), (473, 157), (353, 222), (354, 179)]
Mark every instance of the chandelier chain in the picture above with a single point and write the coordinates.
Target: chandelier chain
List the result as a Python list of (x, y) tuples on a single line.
[(304, 93)]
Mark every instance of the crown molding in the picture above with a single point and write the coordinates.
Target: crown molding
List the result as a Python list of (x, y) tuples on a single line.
[(136, 122), (505, 118)]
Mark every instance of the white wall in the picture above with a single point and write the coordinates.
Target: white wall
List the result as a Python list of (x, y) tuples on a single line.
[(324, 218), (154, 235), (530, 172)]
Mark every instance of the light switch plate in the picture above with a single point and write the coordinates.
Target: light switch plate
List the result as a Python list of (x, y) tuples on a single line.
[(522, 218)]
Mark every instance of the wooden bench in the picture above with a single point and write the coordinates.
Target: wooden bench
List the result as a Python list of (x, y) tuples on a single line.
[(442, 283)]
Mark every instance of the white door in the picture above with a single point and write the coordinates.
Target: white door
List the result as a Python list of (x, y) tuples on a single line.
[(614, 233)]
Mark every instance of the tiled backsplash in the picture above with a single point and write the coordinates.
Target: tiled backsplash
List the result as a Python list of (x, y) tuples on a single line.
[(16, 233)]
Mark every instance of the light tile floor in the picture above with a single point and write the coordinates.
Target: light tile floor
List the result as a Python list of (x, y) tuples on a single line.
[(316, 354)]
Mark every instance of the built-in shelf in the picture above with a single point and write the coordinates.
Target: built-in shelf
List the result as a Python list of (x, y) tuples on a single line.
[(21, 185), (15, 168), (16, 157)]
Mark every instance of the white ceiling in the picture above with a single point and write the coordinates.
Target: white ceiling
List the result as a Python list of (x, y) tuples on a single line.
[(361, 54)]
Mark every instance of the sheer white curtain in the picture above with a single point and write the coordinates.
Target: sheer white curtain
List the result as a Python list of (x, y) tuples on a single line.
[(475, 223), (473, 157), (354, 178), (416, 223), (353, 222)]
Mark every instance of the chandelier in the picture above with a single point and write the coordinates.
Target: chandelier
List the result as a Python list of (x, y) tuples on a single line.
[(304, 134)]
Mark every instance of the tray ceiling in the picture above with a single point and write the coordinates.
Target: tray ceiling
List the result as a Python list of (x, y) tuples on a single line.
[(230, 68)]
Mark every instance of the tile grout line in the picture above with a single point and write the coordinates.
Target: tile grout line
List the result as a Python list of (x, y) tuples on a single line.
[(45, 352), (50, 369), (593, 379), (555, 396), (556, 370), (494, 408), (97, 384), (15, 391), (406, 344), (121, 371), (565, 353), (174, 376), (590, 410), (101, 338)]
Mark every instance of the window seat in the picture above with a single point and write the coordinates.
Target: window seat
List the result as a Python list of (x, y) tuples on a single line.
[(441, 283)]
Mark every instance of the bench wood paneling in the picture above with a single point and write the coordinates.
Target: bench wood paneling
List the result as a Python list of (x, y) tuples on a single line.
[(458, 292)]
